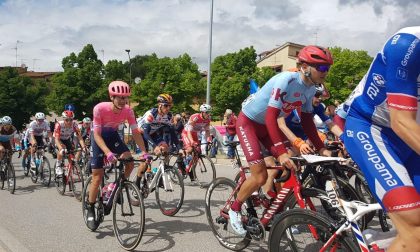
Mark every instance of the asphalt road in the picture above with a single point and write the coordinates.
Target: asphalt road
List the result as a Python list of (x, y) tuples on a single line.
[(37, 218)]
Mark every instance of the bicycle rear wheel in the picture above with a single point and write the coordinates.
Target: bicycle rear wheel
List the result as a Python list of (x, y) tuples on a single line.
[(292, 232), (217, 195), (60, 180), (204, 171), (169, 195), (45, 172), (128, 215), (10, 178), (76, 182)]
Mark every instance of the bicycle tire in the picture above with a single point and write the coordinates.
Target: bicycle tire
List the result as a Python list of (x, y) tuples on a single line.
[(60, 181), (76, 182), (204, 173), (220, 225), (2, 178), (45, 172), (99, 208), (26, 165), (34, 174), (362, 188), (128, 189), (11, 178), (298, 219), (171, 207)]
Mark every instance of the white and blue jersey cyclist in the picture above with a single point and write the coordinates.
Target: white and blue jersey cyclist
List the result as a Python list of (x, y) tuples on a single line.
[(388, 153)]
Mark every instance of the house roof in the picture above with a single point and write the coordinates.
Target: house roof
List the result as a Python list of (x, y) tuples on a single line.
[(38, 74), (269, 53)]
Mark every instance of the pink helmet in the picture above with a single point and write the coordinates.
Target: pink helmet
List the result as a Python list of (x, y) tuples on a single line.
[(119, 88), (315, 55)]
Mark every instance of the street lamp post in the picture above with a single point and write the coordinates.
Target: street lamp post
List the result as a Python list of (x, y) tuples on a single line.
[(210, 46), (129, 61), (129, 140), (16, 49)]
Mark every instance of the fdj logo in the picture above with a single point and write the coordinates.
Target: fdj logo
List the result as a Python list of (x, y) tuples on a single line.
[(373, 89)]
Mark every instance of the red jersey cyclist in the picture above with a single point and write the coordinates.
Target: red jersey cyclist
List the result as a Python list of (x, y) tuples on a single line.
[(257, 121), (107, 116)]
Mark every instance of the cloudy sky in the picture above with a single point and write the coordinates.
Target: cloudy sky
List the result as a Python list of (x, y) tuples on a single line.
[(48, 30)]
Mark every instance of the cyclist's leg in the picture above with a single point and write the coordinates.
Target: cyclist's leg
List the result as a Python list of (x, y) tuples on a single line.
[(383, 157), (2, 150), (142, 166)]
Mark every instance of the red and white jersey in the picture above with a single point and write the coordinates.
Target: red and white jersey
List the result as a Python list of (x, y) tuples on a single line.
[(197, 123), (63, 132)]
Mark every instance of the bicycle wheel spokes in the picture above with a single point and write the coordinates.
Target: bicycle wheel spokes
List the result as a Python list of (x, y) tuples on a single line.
[(169, 195), (11, 178), (45, 172), (128, 218), (217, 214), (76, 182), (204, 172)]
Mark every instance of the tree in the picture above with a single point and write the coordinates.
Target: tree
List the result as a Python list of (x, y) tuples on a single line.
[(80, 84), (20, 97), (348, 69)]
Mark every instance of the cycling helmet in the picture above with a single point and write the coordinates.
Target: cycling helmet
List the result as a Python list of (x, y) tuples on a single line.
[(40, 116), (87, 120), (68, 114), (119, 88), (319, 90), (164, 98), (205, 108), (315, 55), (6, 120)]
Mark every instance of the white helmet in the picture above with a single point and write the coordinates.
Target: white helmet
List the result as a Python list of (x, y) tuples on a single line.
[(40, 116), (319, 90), (6, 120), (87, 120), (205, 108)]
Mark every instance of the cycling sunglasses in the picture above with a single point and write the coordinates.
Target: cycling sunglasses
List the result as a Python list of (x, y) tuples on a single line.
[(322, 68)]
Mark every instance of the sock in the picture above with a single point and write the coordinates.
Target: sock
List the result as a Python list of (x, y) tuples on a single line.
[(270, 194), (236, 206), (59, 162)]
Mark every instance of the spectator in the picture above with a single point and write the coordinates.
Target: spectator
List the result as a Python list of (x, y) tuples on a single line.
[(185, 117), (230, 130)]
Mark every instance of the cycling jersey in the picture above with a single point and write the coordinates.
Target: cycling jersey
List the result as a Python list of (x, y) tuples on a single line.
[(6, 134), (389, 164), (153, 127), (63, 132), (293, 121), (195, 124), (106, 120), (37, 129), (84, 132)]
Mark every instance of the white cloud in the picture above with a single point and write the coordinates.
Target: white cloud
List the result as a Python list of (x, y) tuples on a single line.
[(50, 30)]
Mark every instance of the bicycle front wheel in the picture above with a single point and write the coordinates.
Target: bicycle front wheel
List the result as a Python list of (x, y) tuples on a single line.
[(305, 230), (204, 171), (169, 195), (76, 182), (45, 171), (217, 209), (128, 215), (60, 180), (99, 207), (11, 178)]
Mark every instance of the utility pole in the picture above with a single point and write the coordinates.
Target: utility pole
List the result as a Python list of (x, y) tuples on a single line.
[(103, 55), (16, 49), (33, 64), (210, 46)]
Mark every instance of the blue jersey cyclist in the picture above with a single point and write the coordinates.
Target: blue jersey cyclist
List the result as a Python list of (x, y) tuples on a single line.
[(382, 133), (257, 122)]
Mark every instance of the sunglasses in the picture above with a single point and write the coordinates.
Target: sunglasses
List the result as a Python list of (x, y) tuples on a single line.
[(39, 120), (322, 68), (167, 105)]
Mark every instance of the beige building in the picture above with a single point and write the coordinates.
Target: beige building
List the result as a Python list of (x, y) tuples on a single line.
[(281, 58)]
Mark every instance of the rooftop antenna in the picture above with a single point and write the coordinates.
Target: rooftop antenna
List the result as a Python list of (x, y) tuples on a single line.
[(33, 64)]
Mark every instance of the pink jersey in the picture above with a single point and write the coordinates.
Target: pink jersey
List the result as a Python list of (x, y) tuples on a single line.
[(196, 123), (106, 119)]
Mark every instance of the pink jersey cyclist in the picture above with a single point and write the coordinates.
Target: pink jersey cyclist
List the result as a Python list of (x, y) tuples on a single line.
[(195, 124), (105, 120)]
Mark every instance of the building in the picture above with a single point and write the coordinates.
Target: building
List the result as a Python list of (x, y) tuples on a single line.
[(280, 58), (23, 71)]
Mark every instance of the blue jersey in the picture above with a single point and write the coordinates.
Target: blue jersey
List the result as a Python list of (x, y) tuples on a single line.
[(285, 91), (293, 121), (393, 80)]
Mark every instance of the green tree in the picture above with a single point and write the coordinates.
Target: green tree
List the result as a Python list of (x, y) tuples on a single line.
[(80, 84), (20, 97), (348, 69)]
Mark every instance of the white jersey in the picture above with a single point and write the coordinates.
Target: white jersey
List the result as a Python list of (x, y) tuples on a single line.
[(37, 129)]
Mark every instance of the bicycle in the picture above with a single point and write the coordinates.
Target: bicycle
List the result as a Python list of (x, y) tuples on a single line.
[(200, 168), (124, 200), (256, 224), (72, 175), (327, 234), (164, 181), (7, 172), (42, 168)]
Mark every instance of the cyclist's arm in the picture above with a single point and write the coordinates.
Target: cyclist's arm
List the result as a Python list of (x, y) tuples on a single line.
[(281, 122), (80, 138), (277, 137), (404, 124), (139, 139), (310, 130), (146, 134), (335, 129)]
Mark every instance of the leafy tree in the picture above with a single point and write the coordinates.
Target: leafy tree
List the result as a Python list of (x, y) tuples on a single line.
[(80, 84), (348, 69), (20, 97)]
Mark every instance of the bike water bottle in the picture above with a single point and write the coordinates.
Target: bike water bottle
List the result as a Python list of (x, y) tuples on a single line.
[(155, 170), (37, 161), (188, 160), (111, 187), (105, 194)]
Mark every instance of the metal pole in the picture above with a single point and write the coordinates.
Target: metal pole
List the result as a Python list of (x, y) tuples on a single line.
[(129, 62), (210, 45)]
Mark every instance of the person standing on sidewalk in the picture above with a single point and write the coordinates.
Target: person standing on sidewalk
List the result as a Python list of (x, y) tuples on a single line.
[(230, 130)]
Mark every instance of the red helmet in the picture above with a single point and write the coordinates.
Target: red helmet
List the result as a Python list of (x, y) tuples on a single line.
[(315, 55), (119, 88), (68, 114)]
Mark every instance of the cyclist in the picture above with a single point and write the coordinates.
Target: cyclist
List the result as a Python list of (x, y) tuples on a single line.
[(154, 125), (36, 130), (197, 122), (8, 135), (257, 122), (106, 141), (63, 132), (25, 144), (382, 133), (85, 130)]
